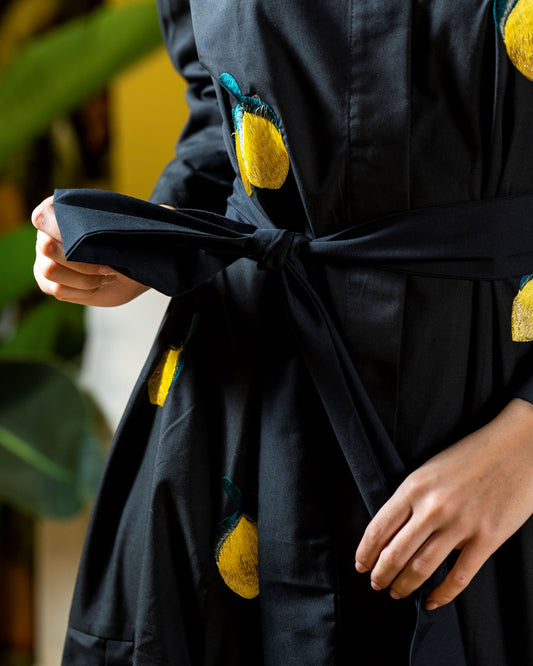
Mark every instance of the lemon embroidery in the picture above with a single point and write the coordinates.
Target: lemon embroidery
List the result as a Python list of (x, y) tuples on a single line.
[(168, 369), (163, 376), (522, 313), (236, 550), (515, 22), (261, 154)]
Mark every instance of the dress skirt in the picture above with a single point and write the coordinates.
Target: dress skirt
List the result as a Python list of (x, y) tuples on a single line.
[(437, 360)]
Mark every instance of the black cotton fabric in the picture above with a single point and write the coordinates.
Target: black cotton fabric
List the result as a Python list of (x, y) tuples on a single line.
[(376, 334)]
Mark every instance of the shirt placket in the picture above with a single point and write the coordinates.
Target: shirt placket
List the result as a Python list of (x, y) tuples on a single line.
[(379, 107)]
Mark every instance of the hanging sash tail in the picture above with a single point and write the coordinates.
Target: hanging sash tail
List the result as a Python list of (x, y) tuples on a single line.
[(175, 251)]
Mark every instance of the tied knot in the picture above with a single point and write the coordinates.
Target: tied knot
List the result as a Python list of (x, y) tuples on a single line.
[(270, 248)]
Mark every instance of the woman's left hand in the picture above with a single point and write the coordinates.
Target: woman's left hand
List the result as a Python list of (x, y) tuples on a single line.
[(472, 496)]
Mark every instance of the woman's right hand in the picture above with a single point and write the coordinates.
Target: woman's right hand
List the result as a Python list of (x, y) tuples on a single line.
[(86, 284)]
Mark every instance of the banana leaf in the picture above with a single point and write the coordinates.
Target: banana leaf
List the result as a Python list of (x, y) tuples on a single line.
[(59, 71), (50, 458)]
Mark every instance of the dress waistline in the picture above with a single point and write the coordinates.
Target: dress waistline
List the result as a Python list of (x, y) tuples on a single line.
[(175, 251)]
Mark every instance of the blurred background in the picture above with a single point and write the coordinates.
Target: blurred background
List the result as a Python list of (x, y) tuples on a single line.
[(87, 99)]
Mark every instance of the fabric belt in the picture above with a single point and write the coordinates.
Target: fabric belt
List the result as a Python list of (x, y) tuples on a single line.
[(175, 251)]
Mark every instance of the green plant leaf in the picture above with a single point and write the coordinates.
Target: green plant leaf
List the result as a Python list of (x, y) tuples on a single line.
[(17, 254), (58, 71), (50, 458), (49, 329), (22, 19)]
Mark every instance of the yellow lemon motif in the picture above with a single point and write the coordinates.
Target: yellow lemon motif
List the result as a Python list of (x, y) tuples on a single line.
[(515, 20), (162, 377), (236, 551), (237, 559), (169, 368), (264, 158), (522, 313), (261, 154)]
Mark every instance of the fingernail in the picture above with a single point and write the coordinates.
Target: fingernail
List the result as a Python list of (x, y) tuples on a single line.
[(106, 270), (108, 279), (360, 567), (375, 586), (431, 605), (394, 595)]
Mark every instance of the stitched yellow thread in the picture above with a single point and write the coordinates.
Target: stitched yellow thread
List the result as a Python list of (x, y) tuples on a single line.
[(169, 368), (237, 559), (162, 377), (242, 168), (522, 313), (518, 37), (264, 156), (236, 551)]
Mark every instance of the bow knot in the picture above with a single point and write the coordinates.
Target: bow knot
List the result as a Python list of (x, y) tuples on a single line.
[(270, 248)]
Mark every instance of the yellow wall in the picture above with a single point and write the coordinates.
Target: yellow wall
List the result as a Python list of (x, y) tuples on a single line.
[(148, 112)]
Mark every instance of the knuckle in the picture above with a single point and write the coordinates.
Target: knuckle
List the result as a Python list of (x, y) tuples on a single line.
[(417, 484), (36, 217), (391, 557), (39, 214), (411, 487), (437, 504), (46, 244), (49, 269), (421, 568), (439, 508), (374, 533), (58, 291)]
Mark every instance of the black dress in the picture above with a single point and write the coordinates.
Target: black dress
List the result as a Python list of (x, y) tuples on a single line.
[(288, 402)]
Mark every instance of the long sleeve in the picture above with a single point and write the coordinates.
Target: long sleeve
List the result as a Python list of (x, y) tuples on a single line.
[(200, 176)]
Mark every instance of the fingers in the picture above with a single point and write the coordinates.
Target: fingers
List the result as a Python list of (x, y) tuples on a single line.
[(49, 239), (62, 292), (52, 249), (423, 564), (385, 524), (396, 556), (407, 541), (76, 282), (408, 558), (65, 280), (448, 503), (469, 562), (55, 272)]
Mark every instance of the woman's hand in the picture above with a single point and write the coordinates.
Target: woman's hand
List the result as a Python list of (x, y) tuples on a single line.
[(472, 496), (87, 284)]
